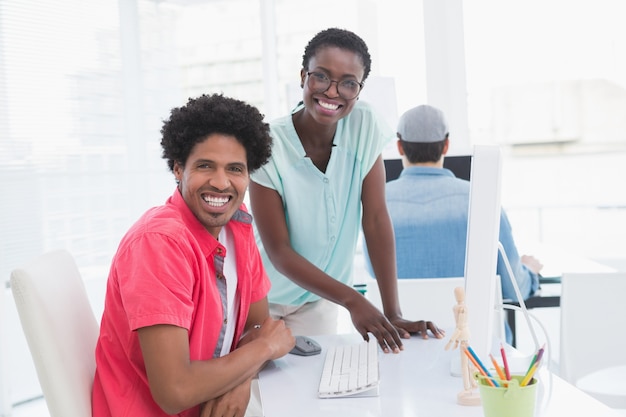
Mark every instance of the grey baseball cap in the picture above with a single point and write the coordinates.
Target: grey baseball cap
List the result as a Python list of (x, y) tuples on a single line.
[(423, 124)]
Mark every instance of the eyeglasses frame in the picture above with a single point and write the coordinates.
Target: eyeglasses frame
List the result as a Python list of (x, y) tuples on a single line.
[(331, 81)]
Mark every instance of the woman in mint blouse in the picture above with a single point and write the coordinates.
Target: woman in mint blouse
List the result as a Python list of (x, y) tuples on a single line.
[(324, 181)]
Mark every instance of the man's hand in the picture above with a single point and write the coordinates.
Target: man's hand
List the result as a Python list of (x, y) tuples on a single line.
[(232, 404), (532, 263)]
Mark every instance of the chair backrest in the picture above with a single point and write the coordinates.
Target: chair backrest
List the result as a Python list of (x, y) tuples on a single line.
[(61, 331), (592, 323)]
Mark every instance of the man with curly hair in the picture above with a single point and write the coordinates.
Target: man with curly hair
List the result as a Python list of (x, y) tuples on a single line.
[(186, 324)]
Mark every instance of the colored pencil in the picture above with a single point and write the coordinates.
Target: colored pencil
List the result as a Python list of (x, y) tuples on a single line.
[(469, 348), (540, 353), (498, 369), (505, 363), (479, 365), (536, 358), (481, 370), (532, 363), (529, 374)]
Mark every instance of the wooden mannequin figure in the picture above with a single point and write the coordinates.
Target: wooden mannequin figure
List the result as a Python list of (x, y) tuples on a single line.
[(460, 339)]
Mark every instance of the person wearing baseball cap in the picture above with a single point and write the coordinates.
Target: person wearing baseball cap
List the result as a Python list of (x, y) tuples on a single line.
[(422, 124), (428, 206)]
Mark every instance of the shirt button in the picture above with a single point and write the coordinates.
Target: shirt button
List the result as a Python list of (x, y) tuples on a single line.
[(225, 321)]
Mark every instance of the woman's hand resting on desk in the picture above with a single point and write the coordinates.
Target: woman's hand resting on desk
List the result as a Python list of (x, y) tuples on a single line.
[(368, 319), (406, 328)]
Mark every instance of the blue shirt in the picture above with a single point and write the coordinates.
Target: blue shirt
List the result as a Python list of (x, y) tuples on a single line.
[(429, 211), (322, 210)]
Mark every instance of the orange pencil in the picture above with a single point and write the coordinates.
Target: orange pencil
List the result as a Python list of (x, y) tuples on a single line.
[(498, 369), (480, 369)]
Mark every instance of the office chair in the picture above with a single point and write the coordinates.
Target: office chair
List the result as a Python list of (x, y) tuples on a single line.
[(593, 341), (61, 330)]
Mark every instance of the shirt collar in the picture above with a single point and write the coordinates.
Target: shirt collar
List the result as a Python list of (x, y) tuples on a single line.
[(419, 170)]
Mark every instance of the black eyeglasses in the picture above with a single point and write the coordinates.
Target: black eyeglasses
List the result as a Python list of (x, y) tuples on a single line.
[(318, 82)]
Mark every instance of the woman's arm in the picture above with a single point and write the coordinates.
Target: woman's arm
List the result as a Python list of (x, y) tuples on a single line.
[(380, 241), (270, 220), (379, 238)]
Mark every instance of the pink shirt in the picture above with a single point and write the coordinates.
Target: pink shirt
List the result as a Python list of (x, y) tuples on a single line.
[(163, 273)]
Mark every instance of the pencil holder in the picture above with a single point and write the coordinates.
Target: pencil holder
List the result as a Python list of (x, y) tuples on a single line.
[(509, 399)]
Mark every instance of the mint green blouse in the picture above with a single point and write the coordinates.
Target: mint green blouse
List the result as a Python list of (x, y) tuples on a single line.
[(323, 210)]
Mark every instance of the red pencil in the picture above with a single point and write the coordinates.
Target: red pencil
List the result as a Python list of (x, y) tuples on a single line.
[(505, 363)]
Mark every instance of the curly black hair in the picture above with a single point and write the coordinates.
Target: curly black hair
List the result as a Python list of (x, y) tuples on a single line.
[(339, 38), (208, 114)]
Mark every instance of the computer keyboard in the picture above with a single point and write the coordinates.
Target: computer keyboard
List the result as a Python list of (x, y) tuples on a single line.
[(350, 370)]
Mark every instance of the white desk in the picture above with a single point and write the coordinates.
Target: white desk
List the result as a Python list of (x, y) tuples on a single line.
[(414, 382)]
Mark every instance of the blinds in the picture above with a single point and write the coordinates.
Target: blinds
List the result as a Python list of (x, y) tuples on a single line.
[(79, 148), (80, 113)]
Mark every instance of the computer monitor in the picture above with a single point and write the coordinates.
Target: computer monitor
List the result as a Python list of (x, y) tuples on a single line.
[(482, 168), (481, 254), (460, 165)]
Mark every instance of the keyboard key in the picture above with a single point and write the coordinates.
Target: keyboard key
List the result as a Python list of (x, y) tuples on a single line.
[(350, 370)]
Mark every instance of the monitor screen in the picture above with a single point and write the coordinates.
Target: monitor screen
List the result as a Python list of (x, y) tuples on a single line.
[(460, 165)]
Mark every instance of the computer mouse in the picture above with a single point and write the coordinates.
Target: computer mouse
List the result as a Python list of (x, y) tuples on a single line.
[(305, 346)]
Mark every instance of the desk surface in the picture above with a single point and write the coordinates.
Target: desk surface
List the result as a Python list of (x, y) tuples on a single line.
[(414, 382)]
